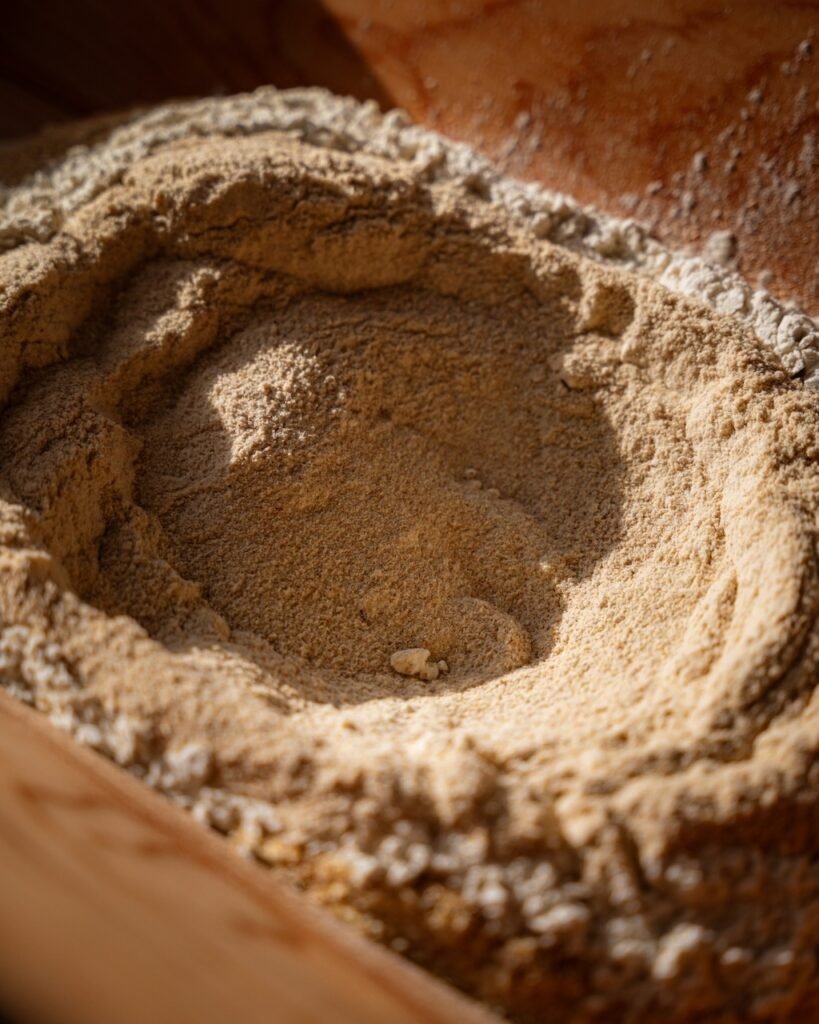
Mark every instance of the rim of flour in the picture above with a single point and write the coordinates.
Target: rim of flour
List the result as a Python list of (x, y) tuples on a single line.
[(35, 208)]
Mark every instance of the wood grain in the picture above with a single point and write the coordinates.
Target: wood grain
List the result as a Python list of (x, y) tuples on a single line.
[(114, 907), (692, 115)]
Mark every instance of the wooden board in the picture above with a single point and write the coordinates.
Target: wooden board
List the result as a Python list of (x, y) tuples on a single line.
[(693, 116), (115, 908)]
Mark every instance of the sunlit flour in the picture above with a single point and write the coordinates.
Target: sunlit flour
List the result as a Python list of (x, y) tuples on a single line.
[(450, 547)]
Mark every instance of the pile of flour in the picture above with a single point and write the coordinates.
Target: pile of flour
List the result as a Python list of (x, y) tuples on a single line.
[(293, 388)]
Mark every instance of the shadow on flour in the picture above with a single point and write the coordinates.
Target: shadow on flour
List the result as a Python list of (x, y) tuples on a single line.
[(443, 490)]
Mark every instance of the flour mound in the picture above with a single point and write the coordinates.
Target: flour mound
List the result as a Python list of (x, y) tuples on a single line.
[(408, 538)]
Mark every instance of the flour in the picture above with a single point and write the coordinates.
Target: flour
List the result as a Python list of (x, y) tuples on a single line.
[(373, 508), (36, 205)]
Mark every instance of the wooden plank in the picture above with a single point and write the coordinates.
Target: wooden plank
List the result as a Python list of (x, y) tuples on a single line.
[(115, 907), (693, 116)]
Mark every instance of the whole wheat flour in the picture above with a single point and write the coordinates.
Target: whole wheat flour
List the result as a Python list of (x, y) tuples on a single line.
[(372, 507)]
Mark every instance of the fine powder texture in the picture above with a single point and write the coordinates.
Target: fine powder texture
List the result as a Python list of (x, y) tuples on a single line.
[(376, 511)]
